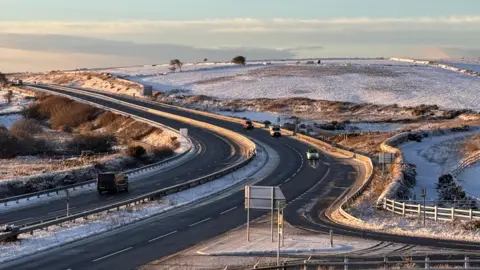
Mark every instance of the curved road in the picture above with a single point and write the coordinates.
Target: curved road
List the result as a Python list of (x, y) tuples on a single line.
[(216, 153)]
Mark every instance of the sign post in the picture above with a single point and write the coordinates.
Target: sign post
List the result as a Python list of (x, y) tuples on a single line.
[(424, 195), (385, 158), (68, 202), (331, 238), (263, 197)]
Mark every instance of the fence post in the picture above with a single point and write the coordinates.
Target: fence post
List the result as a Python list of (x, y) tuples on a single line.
[(385, 203), (385, 262), (419, 210), (467, 262), (427, 263), (452, 211), (345, 261), (393, 206), (403, 208), (436, 212), (470, 214)]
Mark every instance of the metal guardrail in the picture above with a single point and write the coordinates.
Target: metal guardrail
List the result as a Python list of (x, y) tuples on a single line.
[(251, 152), (310, 140), (87, 183), (142, 198), (48, 192), (466, 263)]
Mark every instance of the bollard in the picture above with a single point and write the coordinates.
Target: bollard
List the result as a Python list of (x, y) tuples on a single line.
[(427, 263), (467, 262), (385, 262), (345, 261)]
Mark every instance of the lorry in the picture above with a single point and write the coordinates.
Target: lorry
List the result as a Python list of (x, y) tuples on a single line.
[(112, 182), (275, 131)]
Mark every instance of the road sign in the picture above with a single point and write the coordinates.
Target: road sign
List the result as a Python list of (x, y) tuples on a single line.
[(184, 132), (262, 197)]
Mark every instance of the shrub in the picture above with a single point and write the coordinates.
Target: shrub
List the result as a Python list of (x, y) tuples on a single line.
[(239, 60), (95, 143), (3, 80), (162, 152), (473, 225), (9, 145), (136, 151), (8, 96), (33, 112), (25, 127)]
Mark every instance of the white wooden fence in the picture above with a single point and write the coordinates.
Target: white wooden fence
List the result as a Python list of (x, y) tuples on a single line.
[(431, 212)]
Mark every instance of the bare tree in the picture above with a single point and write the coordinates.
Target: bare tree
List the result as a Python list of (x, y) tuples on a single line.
[(176, 63), (205, 59)]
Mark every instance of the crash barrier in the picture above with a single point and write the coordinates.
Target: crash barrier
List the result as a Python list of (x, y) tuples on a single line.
[(309, 140), (31, 228), (249, 152), (248, 144), (84, 184), (386, 263), (430, 212)]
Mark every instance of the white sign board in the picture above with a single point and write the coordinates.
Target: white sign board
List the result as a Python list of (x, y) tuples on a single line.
[(184, 132), (261, 197), (386, 158)]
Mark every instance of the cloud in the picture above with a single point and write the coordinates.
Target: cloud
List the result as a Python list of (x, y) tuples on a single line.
[(237, 25), (144, 53)]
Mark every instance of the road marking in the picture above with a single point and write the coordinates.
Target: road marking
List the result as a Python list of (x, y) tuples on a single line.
[(20, 220), (201, 221), (110, 255), (226, 211), (160, 237), (288, 179), (62, 210)]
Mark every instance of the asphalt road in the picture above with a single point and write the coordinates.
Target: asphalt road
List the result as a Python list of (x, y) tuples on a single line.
[(158, 237), (145, 242), (216, 153)]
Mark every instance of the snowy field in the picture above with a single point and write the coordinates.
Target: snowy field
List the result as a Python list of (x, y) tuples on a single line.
[(360, 81), (470, 180), (433, 156)]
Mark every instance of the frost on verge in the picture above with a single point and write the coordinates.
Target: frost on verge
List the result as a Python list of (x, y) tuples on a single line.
[(100, 223)]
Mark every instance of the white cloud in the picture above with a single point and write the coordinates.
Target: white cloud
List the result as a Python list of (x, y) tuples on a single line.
[(239, 25)]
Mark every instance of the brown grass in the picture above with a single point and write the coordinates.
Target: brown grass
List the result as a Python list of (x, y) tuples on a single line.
[(472, 145), (25, 128), (365, 142)]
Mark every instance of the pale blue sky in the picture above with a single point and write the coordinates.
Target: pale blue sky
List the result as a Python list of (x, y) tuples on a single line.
[(137, 31), (85, 10)]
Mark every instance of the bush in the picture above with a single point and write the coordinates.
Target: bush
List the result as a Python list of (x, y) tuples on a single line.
[(9, 145), (473, 225), (162, 152), (33, 112), (137, 130), (95, 143), (239, 60), (25, 128), (136, 151), (63, 111), (8, 96)]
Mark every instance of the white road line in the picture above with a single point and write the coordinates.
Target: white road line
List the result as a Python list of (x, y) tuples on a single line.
[(109, 255), (160, 237), (61, 210), (288, 179), (20, 220), (201, 221), (226, 211)]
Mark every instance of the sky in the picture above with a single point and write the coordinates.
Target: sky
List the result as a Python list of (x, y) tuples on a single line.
[(141, 31)]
